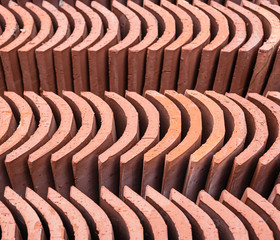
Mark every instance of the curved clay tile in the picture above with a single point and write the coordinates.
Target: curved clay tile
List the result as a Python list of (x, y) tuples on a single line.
[(176, 161), (16, 161), (126, 119), (79, 52), (98, 53), (61, 160), (213, 133), (85, 161), (257, 134), (274, 196), (170, 135), (130, 27), (137, 54), (131, 162), (39, 161), (125, 222), (44, 53)]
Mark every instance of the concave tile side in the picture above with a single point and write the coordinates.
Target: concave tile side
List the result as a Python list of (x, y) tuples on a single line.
[(274, 196)]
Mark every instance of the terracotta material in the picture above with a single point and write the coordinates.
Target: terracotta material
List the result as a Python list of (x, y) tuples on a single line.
[(98, 222), (257, 135), (130, 28), (85, 161), (170, 135), (236, 131), (166, 34), (44, 53), (210, 53), (62, 52), (228, 224), (190, 53), (264, 208), (153, 223), (9, 54), (16, 161), (274, 197), (125, 222), (176, 161), (28, 221), (203, 226), (131, 162), (49, 217), (255, 225), (137, 54), (268, 166), (26, 53), (61, 160), (7, 120), (9, 228), (178, 225), (228, 54), (39, 161), (274, 96), (24, 115), (184, 34), (247, 54), (98, 53), (213, 133), (266, 53), (73, 220), (79, 52), (127, 126)]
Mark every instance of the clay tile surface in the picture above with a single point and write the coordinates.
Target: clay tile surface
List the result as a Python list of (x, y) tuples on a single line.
[(167, 34), (79, 52), (130, 28), (131, 162), (137, 54), (98, 53), (212, 140), (127, 126), (125, 222), (170, 135), (49, 217), (256, 226), (271, 26), (178, 225), (76, 226), (62, 52), (24, 115), (210, 53), (246, 56), (85, 161), (9, 228), (203, 226), (264, 208), (61, 160), (44, 53), (228, 54), (267, 168), (228, 224), (235, 137), (191, 52), (176, 161), (28, 221), (152, 222), (274, 196), (39, 160), (26, 53), (257, 135), (16, 161), (97, 220), (184, 33), (9, 54)]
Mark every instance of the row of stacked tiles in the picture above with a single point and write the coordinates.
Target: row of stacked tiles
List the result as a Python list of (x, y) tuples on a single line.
[(134, 45), (116, 150)]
